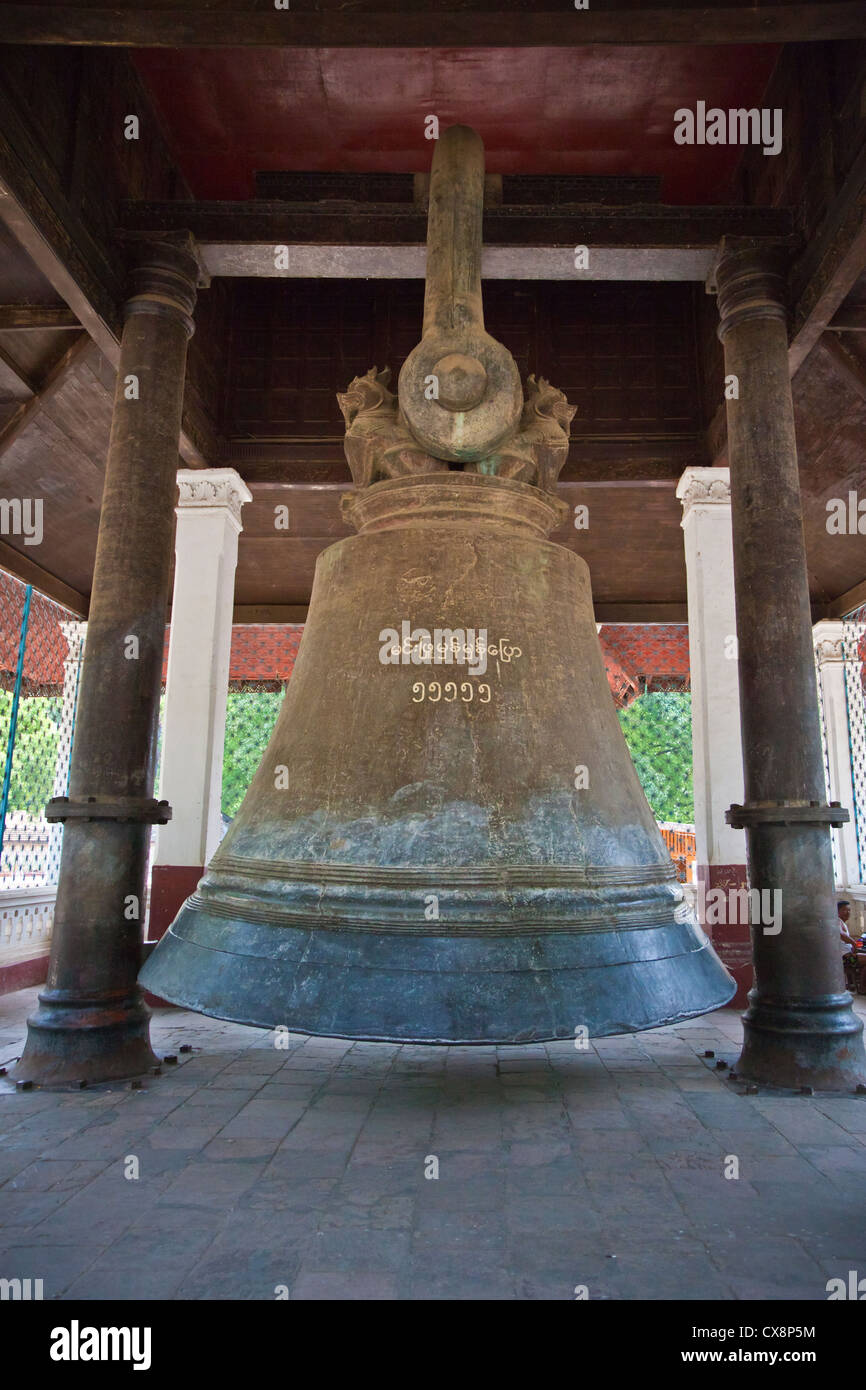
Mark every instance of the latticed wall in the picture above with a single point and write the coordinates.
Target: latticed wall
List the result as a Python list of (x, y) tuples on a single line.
[(262, 659), (648, 674), (838, 874), (657, 724), (854, 647), (840, 655), (658, 730), (251, 713), (40, 657)]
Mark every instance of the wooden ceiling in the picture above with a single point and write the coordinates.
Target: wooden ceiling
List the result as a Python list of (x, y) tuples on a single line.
[(268, 357), (233, 113)]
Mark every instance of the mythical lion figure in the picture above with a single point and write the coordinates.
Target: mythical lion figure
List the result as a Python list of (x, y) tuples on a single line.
[(378, 443)]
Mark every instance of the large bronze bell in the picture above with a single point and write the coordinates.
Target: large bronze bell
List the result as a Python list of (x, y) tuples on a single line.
[(446, 840)]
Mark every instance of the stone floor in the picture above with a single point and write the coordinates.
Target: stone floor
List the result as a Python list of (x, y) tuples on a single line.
[(263, 1173)]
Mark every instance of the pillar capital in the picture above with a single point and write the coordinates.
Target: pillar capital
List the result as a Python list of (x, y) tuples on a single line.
[(703, 488), (829, 636), (750, 280), (163, 276), (212, 490)]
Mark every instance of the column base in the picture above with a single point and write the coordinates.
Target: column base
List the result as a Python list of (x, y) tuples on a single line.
[(791, 1043), (70, 1040)]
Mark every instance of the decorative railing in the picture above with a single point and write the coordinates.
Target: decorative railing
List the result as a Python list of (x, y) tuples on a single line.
[(680, 840)]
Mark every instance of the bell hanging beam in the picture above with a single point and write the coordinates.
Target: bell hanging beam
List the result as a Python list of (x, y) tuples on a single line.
[(446, 840)]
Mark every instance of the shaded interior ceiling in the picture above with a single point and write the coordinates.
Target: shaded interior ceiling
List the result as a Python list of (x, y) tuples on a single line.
[(268, 357), (594, 110), (294, 344)]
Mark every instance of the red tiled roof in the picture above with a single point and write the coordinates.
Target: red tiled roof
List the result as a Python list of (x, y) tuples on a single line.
[(260, 651)]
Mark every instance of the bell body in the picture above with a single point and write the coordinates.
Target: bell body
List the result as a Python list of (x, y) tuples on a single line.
[(446, 840)]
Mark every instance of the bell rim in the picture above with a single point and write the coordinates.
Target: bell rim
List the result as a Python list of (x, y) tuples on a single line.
[(525, 989)]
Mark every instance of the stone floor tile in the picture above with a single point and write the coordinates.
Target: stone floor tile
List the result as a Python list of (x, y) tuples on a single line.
[(345, 1285), (301, 1172), (57, 1266)]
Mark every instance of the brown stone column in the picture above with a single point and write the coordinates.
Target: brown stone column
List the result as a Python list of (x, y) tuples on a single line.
[(91, 1023), (800, 1029)]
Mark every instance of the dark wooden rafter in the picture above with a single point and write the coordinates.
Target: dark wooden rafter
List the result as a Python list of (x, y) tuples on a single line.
[(14, 381), (82, 352), (848, 367), (87, 275), (849, 320), (847, 603), (830, 266), (35, 210), (306, 25), (25, 569), (270, 613), (23, 318), (820, 281), (269, 224)]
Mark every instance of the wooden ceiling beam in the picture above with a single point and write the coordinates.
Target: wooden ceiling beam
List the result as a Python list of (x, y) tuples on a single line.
[(87, 276), (23, 318), (25, 569), (421, 25), (15, 383), (37, 213), (847, 603), (845, 364), (270, 613), (830, 266), (637, 612), (239, 238), (82, 352), (523, 262), (850, 320), (820, 281)]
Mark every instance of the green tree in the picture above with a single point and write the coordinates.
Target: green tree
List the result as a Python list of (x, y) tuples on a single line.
[(658, 730)]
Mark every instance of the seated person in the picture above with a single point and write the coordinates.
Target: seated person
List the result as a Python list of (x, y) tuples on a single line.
[(850, 959), (849, 943)]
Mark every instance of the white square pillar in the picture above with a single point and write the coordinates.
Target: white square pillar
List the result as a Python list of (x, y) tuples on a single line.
[(705, 494), (830, 660), (206, 549)]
